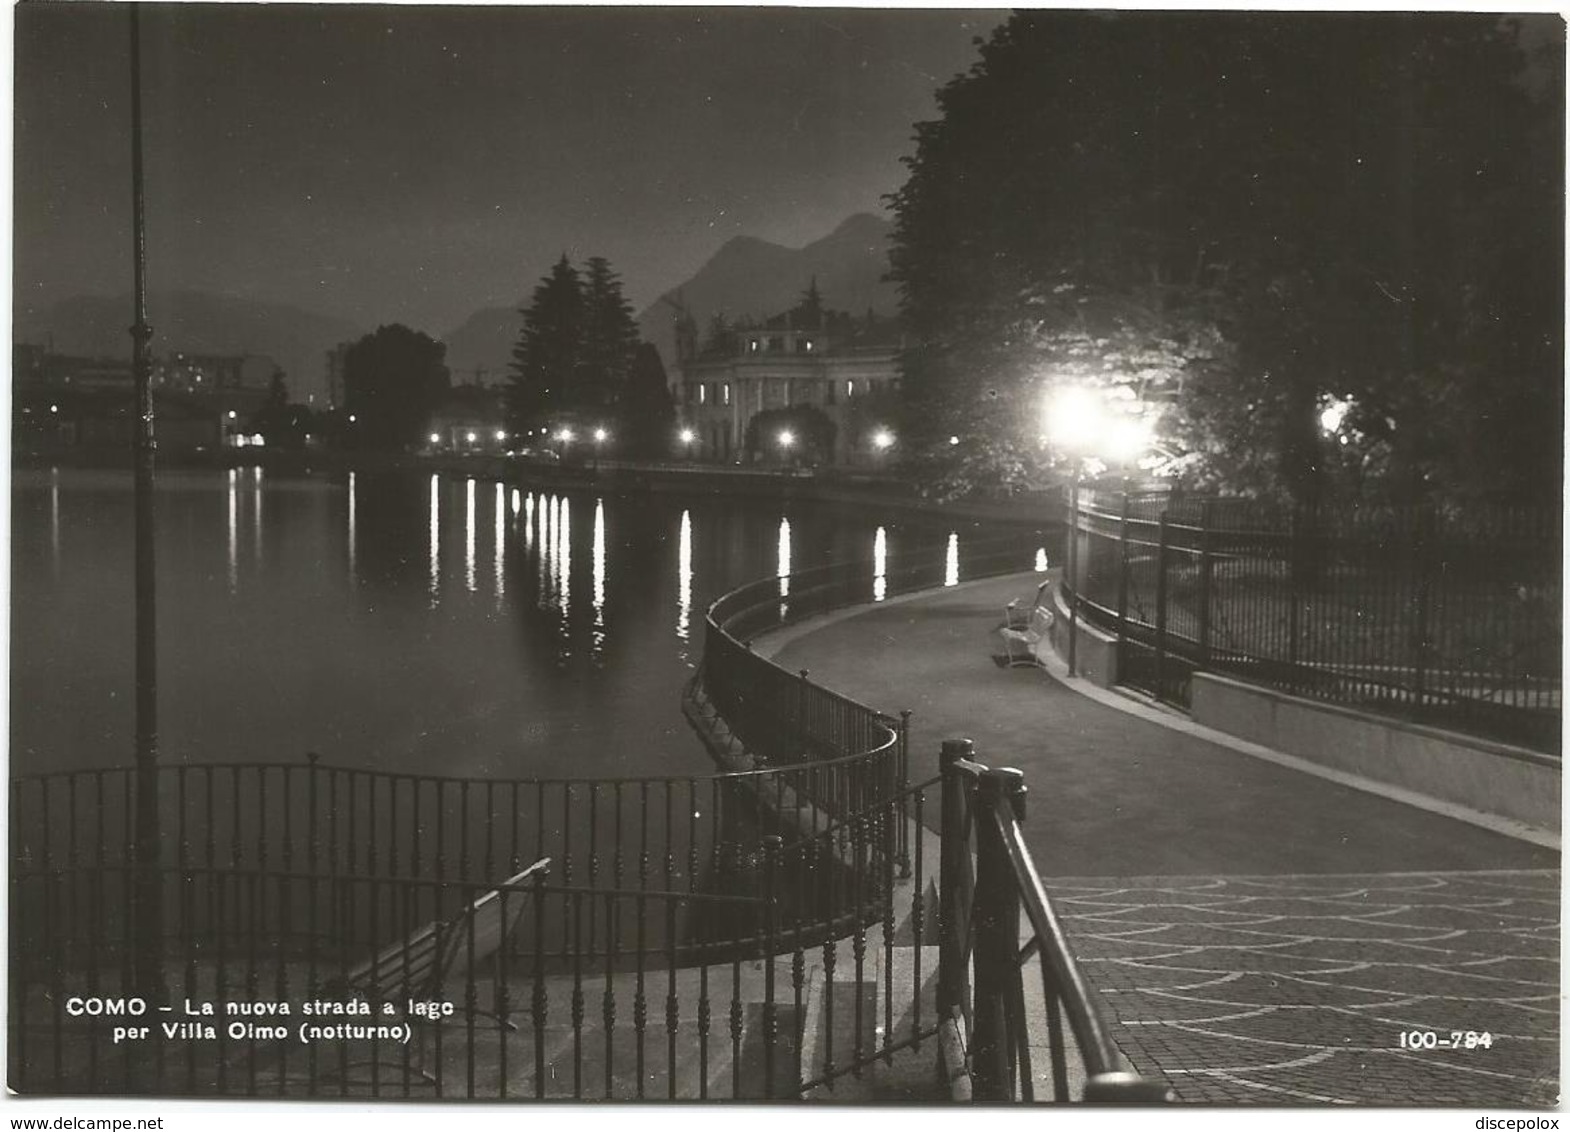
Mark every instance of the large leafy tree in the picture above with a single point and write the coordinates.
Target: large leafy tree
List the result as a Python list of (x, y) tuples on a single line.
[(1244, 215), (393, 380)]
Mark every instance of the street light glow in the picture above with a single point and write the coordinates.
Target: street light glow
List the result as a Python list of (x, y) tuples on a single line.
[(564, 435), (501, 434), (352, 418), (787, 439), (1075, 418), (688, 436), (470, 437), (436, 438), (953, 442), (231, 414), (882, 439), (599, 435)]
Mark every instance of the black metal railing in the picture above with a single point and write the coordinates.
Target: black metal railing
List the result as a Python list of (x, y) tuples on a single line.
[(988, 878), (1446, 617), (786, 906), (268, 990)]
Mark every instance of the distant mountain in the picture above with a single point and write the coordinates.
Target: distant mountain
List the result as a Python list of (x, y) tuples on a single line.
[(482, 346), (752, 277), (193, 322)]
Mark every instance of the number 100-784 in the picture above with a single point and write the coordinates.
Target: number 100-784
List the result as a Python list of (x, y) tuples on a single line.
[(1456, 1039)]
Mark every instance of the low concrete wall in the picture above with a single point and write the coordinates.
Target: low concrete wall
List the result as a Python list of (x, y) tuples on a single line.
[(1493, 777), (1095, 653)]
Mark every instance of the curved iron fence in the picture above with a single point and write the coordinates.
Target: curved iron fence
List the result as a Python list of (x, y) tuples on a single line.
[(272, 876)]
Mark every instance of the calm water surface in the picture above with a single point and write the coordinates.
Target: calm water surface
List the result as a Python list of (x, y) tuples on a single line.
[(399, 621)]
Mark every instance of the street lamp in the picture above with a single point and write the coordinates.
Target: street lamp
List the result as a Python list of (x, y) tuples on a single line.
[(786, 439), (687, 436), (599, 438)]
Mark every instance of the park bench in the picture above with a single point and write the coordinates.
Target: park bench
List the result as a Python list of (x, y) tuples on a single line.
[(1026, 623)]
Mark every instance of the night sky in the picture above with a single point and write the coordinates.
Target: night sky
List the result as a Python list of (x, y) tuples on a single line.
[(415, 164)]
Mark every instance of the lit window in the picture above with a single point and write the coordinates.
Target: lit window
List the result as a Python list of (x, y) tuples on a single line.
[(850, 390), (703, 394), (727, 393), (752, 345), (807, 345)]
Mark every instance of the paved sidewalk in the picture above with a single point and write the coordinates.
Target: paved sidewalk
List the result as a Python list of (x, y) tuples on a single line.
[(1260, 933)]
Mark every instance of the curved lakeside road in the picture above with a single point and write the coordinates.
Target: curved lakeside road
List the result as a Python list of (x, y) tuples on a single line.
[(1260, 934)]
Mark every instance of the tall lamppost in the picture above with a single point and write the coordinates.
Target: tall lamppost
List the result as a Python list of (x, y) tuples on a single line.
[(1080, 423), (148, 962), (882, 441)]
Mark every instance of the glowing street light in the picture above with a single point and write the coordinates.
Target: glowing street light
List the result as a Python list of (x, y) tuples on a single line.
[(231, 414), (599, 435), (501, 434), (688, 436), (436, 438), (353, 418), (470, 437), (883, 440)]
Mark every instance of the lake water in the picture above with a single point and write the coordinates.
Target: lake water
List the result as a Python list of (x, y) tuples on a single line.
[(397, 621)]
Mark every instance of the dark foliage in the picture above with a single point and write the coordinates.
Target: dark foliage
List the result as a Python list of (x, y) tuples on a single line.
[(1242, 216), (393, 380)]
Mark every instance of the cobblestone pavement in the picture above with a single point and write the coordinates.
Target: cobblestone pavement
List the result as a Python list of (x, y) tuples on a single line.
[(1297, 989)]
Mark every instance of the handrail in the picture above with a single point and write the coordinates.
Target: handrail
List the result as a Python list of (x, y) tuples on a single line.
[(980, 955)]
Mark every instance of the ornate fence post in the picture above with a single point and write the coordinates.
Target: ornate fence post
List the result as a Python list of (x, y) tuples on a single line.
[(1163, 535), (993, 1047), (1073, 574), (771, 858), (1123, 571), (1206, 569), (904, 797), (953, 872)]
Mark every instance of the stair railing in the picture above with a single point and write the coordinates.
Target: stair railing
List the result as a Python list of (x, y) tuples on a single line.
[(981, 988)]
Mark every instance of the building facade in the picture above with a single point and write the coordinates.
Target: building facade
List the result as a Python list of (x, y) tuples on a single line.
[(851, 377)]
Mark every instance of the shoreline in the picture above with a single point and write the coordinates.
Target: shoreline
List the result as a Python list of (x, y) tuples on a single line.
[(1043, 509)]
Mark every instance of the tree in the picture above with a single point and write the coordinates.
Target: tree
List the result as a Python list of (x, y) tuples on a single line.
[(1244, 216), (282, 424), (549, 349), (393, 380), (610, 337), (575, 352), (648, 417)]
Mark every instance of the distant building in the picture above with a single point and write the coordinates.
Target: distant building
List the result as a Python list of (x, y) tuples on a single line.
[(470, 419), (335, 364), (846, 367)]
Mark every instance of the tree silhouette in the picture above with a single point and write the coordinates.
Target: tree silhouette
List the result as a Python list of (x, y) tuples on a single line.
[(393, 380), (1244, 214)]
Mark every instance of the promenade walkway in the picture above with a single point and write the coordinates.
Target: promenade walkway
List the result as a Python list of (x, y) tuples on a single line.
[(1260, 934)]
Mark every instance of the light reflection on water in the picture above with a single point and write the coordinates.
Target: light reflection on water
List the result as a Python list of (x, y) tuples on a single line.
[(499, 535), (880, 564), (436, 539), (256, 513), (599, 576), (234, 529), (353, 538), (390, 657), (684, 577)]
